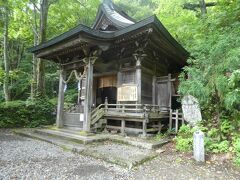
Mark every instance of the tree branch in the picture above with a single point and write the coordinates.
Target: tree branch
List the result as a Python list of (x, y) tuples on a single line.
[(35, 6), (193, 7)]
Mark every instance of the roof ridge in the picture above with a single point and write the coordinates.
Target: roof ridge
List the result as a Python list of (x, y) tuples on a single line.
[(113, 13)]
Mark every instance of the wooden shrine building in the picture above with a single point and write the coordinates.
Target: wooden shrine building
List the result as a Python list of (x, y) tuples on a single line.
[(126, 72)]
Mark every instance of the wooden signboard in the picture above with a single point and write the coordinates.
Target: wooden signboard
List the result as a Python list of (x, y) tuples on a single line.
[(127, 93)]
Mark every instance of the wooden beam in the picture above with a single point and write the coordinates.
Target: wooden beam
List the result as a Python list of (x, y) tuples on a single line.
[(60, 47), (80, 41), (135, 130), (105, 74)]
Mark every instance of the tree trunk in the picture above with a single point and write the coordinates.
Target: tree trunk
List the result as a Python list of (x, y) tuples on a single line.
[(5, 53), (34, 59), (34, 71), (42, 38), (203, 7)]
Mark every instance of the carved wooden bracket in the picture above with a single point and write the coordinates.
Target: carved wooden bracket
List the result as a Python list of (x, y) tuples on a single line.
[(139, 57)]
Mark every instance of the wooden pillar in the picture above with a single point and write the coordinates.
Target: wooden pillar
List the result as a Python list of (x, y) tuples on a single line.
[(119, 79), (139, 79), (60, 106), (139, 57), (145, 121), (159, 127), (154, 90), (123, 127), (88, 93), (144, 129), (119, 76), (170, 120), (170, 90), (176, 121)]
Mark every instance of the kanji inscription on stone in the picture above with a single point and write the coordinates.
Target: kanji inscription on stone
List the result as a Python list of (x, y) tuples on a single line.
[(191, 109)]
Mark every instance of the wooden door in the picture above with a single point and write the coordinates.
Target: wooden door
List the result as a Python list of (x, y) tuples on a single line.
[(163, 92)]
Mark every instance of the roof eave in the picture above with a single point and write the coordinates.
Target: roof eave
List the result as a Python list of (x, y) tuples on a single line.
[(169, 37), (70, 34), (152, 20)]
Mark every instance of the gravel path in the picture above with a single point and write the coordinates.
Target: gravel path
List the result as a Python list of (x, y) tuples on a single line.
[(24, 158)]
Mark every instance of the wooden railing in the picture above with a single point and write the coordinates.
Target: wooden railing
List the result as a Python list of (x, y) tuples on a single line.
[(134, 108), (97, 114), (105, 108), (175, 117)]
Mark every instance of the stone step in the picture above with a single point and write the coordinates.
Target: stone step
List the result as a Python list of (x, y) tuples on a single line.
[(80, 137), (69, 135), (71, 128), (65, 144), (74, 131), (116, 153), (120, 154)]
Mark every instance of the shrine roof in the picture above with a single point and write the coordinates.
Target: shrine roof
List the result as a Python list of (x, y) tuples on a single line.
[(111, 26), (109, 14), (108, 36)]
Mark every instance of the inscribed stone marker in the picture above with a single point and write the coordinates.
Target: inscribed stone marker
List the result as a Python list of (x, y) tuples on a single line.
[(198, 146), (191, 110)]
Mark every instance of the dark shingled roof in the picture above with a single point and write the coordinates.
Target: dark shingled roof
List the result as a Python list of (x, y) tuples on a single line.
[(110, 11)]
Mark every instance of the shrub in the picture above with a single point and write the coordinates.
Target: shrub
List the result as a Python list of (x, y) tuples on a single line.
[(31, 113), (184, 144), (218, 147), (213, 142), (184, 140), (236, 146)]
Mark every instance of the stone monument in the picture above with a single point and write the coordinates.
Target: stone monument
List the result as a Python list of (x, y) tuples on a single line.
[(191, 110)]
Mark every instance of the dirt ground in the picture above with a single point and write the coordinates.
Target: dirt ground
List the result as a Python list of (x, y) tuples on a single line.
[(24, 158), (173, 165)]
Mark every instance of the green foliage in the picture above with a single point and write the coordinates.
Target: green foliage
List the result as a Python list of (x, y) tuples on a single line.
[(226, 127), (137, 9), (71, 96), (31, 113), (218, 147), (232, 100), (213, 141), (184, 144), (184, 140), (236, 150), (236, 145), (213, 73), (159, 136)]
